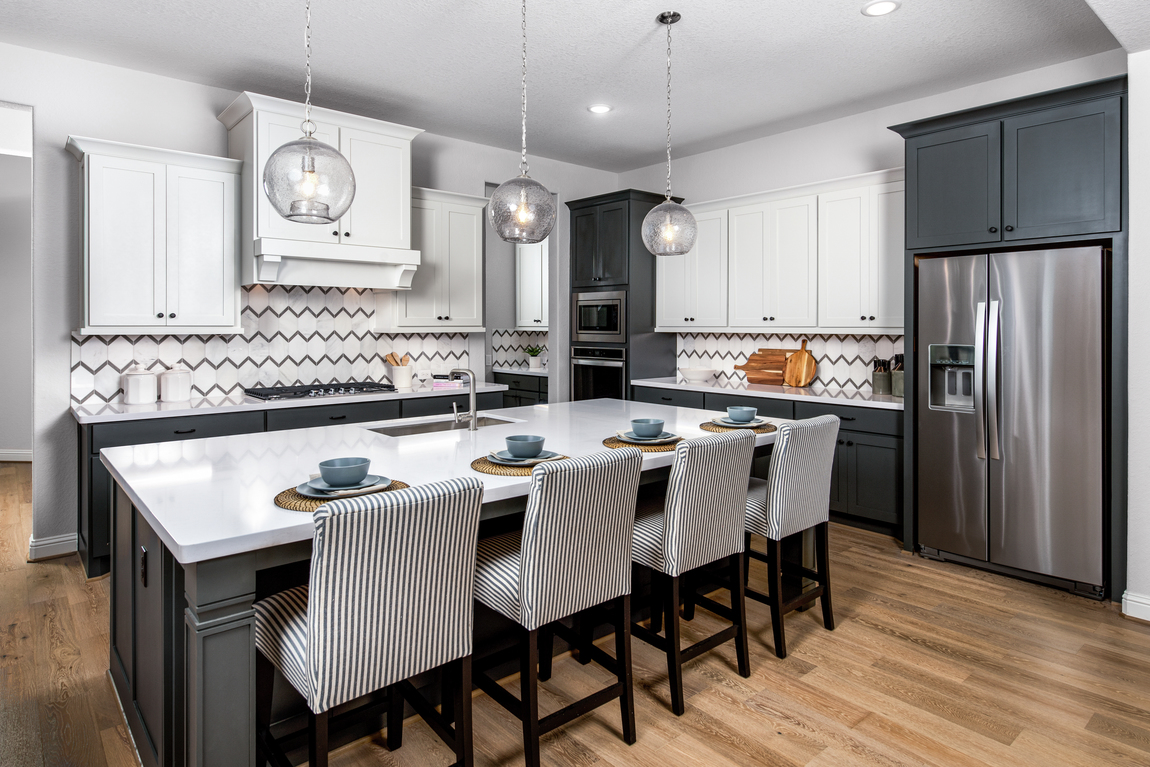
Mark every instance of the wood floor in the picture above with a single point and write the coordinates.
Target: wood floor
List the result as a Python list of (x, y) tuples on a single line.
[(930, 664)]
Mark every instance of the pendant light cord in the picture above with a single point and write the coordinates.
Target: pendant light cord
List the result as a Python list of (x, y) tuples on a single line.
[(523, 167), (308, 126), (668, 111)]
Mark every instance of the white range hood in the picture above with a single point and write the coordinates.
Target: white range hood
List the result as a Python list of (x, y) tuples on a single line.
[(370, 247)]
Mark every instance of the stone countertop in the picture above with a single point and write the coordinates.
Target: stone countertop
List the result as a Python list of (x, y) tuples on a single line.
[(209, 498), (541, 372), (806, 394), (118, 411)]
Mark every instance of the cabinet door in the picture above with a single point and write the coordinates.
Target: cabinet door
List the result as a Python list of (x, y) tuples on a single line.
[(273, 131), (530, 286), (201, 250), (844, 258), (127, 221), (544, 285), (462, 239), (148, 638), (748, 256), (1062, 171), (874, 471), (791, 272), (888, 254), (423, 305), (379, 214), (674, 296), (613, 244), (708, 259), (839, 478), (955, 186), (584, 243)]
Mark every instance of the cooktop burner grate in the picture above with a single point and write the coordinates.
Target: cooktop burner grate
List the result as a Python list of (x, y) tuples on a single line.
[(317, 390)]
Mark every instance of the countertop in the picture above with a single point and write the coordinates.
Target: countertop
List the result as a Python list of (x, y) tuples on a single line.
[(541, 372), (209, 498), (806, 394), (118, 411)]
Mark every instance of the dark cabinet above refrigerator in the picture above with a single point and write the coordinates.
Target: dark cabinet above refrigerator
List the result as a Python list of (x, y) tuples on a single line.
[(605, 233)]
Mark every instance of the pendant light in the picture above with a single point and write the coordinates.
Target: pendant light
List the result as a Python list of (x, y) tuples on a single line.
[(522, 210), (669, 229), (306, 180)]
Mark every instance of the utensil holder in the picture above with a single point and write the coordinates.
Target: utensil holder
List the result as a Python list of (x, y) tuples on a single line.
[(897, 382), (401, 376), (880, 382)]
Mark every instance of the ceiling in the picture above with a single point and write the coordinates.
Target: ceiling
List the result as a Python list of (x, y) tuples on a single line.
[(742, 68)]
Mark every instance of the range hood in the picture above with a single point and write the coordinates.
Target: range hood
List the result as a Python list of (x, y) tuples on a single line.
[(292, 262)]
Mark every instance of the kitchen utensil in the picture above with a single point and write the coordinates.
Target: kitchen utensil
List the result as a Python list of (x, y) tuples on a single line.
[(139, 385), (406, 360), (176, 385), (800, 369), (697, 375), (344, 472), (647, 427), (393, 359), (742, 414), (766, 366), (524, 445)]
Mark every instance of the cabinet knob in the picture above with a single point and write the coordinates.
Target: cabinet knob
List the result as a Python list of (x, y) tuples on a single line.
[(439, 317), (862, 317), (686, 319), (160, 315), (347, 234), (871, 319), (1009, 228), (335, 233), (692, 319), (446, 317), (842, 441), (993, 229), (764, 319), (172, 316), (850, 444), (772, 319)]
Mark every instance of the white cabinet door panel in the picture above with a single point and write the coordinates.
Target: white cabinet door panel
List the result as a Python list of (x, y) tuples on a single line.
[(887, 254), (201, 247), (844, 245), (531, 286), (674, 299), (791, 276), (274, 131), (749, 266), (126, 231), (464, 284), (424, 302), (710, 271), (379, 214)]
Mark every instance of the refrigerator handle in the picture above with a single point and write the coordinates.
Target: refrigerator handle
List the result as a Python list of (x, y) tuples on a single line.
[(979, 358), (992, 382)]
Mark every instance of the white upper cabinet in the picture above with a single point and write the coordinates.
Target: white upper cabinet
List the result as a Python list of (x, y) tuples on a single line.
[(691, 290), (774, 264), (379, 217), (531, 286), (275, 130), (447, 291), (888, 238), (159, 240)]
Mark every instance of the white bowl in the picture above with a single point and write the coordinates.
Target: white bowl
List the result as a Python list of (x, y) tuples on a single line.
[(697, 375)]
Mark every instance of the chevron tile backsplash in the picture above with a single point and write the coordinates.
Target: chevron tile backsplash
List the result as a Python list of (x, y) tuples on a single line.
[(291, 336), (844, 362), (507, 347)]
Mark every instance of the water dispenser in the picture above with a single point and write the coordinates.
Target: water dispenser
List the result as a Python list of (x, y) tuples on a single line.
[(951, 377)]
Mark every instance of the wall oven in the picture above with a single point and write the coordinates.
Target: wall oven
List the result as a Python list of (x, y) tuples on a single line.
[(599, 316), (598, 372)]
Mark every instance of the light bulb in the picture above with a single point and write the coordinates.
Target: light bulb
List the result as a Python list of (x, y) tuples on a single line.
[(523, 213), (308, 185)]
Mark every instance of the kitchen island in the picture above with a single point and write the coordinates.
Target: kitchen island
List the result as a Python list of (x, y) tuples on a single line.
[(197, 539)]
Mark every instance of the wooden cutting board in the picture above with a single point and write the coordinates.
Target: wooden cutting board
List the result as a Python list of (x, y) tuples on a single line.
[(800, 369), (766, 366)]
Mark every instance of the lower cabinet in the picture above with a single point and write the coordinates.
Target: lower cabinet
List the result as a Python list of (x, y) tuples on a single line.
[(331, 415), (522, 390), (674, 397), (424, 406)]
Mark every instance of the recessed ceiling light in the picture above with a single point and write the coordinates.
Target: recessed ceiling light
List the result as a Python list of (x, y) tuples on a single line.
[(880, 7), (599, 109)]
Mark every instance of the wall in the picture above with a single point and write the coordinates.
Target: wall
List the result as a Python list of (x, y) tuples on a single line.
[(16, 299), (508, 347)]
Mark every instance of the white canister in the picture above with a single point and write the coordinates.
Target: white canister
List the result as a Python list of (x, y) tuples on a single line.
[(401, 376), (176, 385), (139, 385)]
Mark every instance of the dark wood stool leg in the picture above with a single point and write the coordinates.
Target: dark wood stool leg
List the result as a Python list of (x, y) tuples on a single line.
[(746, 559), (529, 694), (674, 653), (546, 650), (447, 681), (775, 566), (823, 556), (656, 602), (394, 718), (623, 661), (739, 608), (582, 628), (688, 593), (316, 739), (464, 747)]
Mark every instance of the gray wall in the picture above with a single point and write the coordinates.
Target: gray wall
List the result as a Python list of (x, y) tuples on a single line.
[(16, 305)]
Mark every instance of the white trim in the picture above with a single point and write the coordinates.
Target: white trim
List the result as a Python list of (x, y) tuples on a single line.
[(14, 454), (80, 146), (1136, 605), (52, 546)]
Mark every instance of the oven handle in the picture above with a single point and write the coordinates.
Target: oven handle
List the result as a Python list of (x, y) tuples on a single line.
[(599, 363)]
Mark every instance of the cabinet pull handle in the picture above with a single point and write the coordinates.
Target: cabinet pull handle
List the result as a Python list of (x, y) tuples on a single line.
[(160, 315), (862, 317), (668, 399), (847, 418), (172, 316), (842, 441), (850, 444), (446, 317), (871, 319), (993, 229), (772, 319), (185, 431), (1009, 228), (764, 319), (686, 319), (144, 566), (692, 319), (335, 233), (336, 417), (439, 317)]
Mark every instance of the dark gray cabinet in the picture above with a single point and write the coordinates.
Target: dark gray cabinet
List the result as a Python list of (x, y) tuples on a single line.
[(599, 247), (440, 405), (522, 390), (768, 408), (584, 247), (332, 415), (674, 397)]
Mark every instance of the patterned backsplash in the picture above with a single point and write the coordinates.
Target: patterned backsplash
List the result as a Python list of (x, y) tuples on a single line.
[(507, 347), (844, 362), (291, 336)]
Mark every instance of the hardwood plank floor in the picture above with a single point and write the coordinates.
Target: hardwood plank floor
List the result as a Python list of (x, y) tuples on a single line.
[(931, 664)]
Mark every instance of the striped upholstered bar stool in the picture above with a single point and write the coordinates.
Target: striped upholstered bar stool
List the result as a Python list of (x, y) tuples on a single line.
[(389, 596), (700, 521), (794, 497), (573, 553)]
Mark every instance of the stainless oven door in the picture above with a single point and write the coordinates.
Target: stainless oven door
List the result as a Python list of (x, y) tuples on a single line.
[(599, 316), (597, 379)]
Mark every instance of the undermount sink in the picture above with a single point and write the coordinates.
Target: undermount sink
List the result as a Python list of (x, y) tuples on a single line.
[(402, 430)]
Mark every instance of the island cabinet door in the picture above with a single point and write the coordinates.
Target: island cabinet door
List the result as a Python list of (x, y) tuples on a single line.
[(874, 476)]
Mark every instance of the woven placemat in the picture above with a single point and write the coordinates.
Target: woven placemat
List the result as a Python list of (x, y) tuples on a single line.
[(614, 442), (712, 426), (484, 466), (292, 501)]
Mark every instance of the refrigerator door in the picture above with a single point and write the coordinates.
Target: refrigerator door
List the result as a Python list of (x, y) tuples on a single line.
[(1046, 470), (951, 443)]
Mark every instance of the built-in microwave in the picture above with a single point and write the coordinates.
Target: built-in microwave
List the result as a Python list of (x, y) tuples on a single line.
[(599, 316)]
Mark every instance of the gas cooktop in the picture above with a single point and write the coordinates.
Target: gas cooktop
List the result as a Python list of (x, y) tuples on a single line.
[(316, 390)]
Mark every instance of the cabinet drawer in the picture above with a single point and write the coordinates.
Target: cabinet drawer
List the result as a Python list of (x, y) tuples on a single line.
[(331, 415), (668, 397), (770, 408), (423, 406), (855, 418), (520, 382), (171, 429)]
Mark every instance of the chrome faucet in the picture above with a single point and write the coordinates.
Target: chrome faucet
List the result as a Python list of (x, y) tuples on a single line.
[(472, 414)]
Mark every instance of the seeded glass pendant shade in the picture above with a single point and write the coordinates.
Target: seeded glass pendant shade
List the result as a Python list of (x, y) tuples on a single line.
[(669, 229), (306, 180), (522, 210)]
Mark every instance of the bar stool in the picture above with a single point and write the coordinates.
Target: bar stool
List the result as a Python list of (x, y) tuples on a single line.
[(700, 521), (573, 553), (794, 497), (389, 596)]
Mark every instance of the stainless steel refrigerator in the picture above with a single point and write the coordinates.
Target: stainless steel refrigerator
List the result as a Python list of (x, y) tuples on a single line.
[(1010, 385)]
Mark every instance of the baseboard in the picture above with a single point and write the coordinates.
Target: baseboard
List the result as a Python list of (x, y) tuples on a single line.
[(52, 546), (11, 454), (1136, 606)]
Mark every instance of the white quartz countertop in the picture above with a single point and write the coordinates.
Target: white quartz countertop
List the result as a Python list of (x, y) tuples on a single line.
[(118, 411), (541, 372), (806, 394), (209, 498)]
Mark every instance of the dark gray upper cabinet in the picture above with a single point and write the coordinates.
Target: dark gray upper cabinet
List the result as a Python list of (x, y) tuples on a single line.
[(584, 244), (606, 238), (612, 252), (954, 187), (1062, 171)]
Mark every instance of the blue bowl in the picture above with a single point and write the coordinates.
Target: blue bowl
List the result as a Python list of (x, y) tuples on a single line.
[(524, 445), (647, 427), (742, 414), (344, 472)]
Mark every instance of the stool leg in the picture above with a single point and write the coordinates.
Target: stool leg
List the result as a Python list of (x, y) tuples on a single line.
[(546, 650), (316, 739), (623, 662), (688, 599), (747, 557), (582, 628), (775, 566), (394, 718), (823, 555), (529, 694), (674, 653), (739, 608), (656, 602), (447, 698), (464, 747)]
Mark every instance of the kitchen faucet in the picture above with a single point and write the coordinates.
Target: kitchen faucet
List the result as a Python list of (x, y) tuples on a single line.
[(471, 407)]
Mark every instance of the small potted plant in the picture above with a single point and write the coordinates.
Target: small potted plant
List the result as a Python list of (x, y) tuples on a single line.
[(533, 360)]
